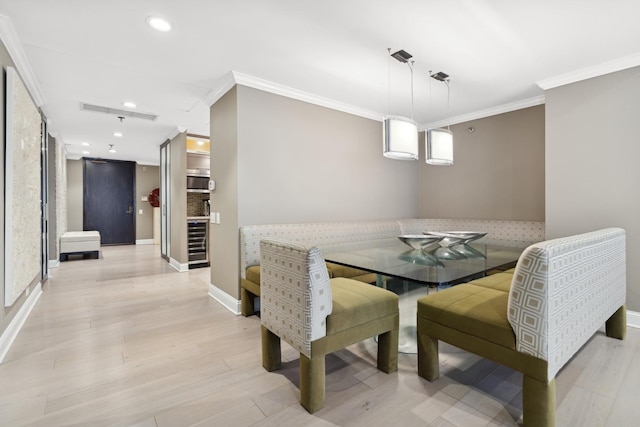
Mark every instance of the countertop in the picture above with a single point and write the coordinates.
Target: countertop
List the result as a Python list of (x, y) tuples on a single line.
[(197, 217)]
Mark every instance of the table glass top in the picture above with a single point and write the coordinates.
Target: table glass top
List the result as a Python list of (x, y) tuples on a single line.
[(435, 265)]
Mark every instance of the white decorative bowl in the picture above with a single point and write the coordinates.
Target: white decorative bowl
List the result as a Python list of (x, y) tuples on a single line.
[(451, 238), (419, 241)]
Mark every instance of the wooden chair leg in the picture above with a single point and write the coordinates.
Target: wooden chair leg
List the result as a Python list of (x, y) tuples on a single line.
[(388, 351), (538, 403), (428, 359), (312, 382), (271, 355), (616, 326)]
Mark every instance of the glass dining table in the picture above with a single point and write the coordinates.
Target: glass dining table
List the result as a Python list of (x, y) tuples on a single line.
[(412, 273)]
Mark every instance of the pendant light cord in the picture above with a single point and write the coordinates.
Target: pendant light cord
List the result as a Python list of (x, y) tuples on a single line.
[(448, 101), (411, 68), (388, 81)]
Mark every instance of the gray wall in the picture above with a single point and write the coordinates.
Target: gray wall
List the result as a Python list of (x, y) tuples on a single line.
[(498, 170), (147, 178), (223, 237), (279, 160), (592, 154), (74, 195)]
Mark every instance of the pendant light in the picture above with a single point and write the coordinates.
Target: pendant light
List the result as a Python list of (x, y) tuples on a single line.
[(439, 147), (439, 142), (400, 135)]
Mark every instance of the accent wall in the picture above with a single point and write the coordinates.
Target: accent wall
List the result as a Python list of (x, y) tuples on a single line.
[(592, 154)]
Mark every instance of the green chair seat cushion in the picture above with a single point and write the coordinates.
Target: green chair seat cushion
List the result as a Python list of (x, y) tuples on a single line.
[(337, 270), (356, 303), (473, 309), (334, 270), (498, 281)]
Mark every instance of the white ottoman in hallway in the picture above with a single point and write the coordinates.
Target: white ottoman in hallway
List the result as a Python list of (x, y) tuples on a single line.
[(79, 242)]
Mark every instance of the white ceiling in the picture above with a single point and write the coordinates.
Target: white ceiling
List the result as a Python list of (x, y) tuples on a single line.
[(103, 53)]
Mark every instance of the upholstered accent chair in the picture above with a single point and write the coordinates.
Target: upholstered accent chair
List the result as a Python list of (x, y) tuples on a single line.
[(317, 315), (534, 319)]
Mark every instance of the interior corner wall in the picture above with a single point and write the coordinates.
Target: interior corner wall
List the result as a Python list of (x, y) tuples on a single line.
[(592, 157), (498, 171), (147, 178), (281, 160)]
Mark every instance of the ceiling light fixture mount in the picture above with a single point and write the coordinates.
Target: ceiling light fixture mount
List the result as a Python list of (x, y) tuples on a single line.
[(440, 76), (401, 55)]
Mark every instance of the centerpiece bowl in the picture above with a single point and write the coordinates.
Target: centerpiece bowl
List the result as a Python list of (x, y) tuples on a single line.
[(451, 238), (419, 241)]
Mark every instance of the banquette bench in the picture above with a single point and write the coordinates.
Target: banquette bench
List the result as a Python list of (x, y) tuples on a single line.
[(534, 318), (331, 236)]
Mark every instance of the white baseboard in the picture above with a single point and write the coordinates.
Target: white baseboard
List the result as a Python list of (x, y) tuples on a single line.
[(229, 302), (182, 268), (633, 319), (10, 334), (145, 242), (54, 263)]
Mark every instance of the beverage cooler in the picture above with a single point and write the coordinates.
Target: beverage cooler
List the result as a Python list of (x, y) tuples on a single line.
[(197, 237)]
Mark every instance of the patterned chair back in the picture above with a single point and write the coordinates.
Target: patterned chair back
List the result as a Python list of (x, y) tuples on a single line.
[(295, 292), (563, 291)]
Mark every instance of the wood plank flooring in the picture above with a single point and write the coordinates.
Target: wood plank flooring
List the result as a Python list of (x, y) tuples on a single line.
[(126, 341)]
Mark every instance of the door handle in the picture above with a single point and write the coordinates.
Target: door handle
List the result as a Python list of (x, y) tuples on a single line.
[(130, 210)]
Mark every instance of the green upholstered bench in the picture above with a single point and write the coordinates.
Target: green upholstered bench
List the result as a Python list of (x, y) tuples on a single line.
[(534, 318)]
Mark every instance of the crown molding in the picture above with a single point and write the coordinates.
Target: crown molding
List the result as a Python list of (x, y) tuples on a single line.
[(289, 92), (608, 67), (228, 82), (174, 132), (481, 114), (11, 41), (236, 78)]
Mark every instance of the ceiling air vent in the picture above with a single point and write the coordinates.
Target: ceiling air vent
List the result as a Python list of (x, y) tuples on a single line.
[(117, 112)]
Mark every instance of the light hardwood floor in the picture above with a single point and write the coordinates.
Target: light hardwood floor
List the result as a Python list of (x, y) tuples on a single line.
[(126, 341)]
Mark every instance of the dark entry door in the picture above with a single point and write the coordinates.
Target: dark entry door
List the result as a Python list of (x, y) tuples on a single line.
[(109, 193)]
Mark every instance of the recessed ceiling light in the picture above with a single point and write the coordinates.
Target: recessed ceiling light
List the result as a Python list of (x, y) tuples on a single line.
[(159, 24), (85, 152), (129, 104), (118, 134), (111, 149), (86, 144)]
